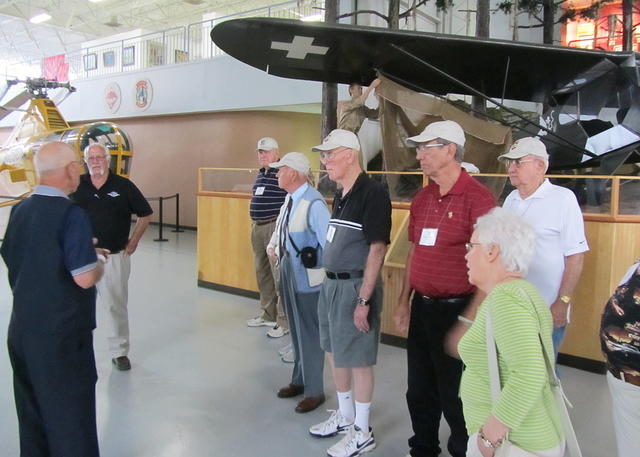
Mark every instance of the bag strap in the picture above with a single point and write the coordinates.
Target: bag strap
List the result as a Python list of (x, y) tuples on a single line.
[(306, 226), (556, 387)]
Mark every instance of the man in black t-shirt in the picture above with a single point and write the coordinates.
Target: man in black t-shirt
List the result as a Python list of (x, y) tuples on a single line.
[(350, 300), (110, 200)]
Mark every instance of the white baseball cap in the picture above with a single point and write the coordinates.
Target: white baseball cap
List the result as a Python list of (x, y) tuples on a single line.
[(526, 146), (295, 160), (338, 138), (267, 144), (446, 130)]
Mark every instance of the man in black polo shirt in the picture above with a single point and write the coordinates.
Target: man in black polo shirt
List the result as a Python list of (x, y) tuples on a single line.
[(266, 200), (110, 201), (53, 267), (350, 301)]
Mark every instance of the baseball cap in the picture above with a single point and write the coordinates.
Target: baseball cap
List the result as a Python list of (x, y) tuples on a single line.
[(338, 138), (295, 160), (447, 130), (526, 146), (267, 144)]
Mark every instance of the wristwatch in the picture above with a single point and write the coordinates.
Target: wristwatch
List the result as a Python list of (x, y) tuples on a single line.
[(362, 301), (565, 299)]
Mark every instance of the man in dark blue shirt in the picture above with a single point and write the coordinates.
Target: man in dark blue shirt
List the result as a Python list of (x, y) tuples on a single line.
[(53, 268)]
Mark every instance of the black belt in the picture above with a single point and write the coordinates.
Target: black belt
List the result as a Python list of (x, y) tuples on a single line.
[(344, 274), (457, 300), (264, 222)]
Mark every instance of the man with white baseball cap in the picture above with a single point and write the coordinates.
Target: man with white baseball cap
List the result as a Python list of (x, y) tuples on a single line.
[(297, 243), (442, 217), (266, 201), (350, 301), (555, 215)]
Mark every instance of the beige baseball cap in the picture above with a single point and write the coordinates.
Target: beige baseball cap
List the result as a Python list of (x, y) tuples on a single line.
[(526, 146), (267, 144), (447, 130), (295, 160), (338, 138)]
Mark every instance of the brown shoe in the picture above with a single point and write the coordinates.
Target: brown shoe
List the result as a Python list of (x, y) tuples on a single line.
[(309, 403), (290, 391)]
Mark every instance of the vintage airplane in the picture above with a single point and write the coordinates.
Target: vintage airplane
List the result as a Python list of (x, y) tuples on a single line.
[(591, 99), (41, 123)]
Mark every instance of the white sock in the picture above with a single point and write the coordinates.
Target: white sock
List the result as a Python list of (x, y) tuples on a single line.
[(345, 404), (362, 416)]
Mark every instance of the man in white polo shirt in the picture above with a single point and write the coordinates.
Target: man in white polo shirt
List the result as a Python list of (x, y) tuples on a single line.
[(555, 215)]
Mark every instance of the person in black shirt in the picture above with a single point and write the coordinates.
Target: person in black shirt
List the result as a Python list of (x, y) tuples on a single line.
[(350, 300), (110, 201)]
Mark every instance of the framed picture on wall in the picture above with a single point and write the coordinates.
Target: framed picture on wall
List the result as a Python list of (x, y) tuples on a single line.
[(108, 58), (128, 56), (181, 56), (90, 62)]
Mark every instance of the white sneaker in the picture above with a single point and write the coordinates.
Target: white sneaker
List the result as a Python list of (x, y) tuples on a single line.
[(260, 322), (332, 426), (289, 357), (277, 332), (284, 349), (354, 443)]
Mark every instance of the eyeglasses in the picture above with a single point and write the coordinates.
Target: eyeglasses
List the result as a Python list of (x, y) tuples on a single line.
[(423, 146), (469, 246), (516, 162), (326, 156), (96, 158)]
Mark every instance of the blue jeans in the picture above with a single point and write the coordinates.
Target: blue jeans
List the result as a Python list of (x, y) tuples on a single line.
[(557, 336)]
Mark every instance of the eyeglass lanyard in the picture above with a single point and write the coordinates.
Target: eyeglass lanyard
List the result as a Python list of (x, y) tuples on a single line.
[(426, 214)]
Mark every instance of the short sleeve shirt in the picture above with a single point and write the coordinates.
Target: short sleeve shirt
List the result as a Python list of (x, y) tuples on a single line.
[(110, 209), (266, 197), (439, 227), (555, 216), (359, 218)]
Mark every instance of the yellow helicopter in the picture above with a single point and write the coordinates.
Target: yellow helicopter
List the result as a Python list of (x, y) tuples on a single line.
[(42, 123)]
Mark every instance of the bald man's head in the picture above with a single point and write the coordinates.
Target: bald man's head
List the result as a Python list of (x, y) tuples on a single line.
[(53, 156)]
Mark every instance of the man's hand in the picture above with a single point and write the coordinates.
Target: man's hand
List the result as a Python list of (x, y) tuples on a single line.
[(360, 318), (559, 313), (402, 315), (131, 247)]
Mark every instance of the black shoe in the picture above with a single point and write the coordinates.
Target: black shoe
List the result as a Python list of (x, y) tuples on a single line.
[(122, 363)]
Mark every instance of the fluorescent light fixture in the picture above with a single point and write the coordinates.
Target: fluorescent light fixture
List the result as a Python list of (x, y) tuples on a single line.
[(40, 18), (96, 1), (313, 17)]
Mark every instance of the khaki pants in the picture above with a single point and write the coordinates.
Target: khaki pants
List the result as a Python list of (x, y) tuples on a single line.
[(113, 289), (266, 274)]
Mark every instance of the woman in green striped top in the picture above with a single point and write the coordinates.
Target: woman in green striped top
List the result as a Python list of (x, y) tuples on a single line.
[(498, 255)]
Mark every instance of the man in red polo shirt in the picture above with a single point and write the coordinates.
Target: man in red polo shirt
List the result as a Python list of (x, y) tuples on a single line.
[(441, 221)]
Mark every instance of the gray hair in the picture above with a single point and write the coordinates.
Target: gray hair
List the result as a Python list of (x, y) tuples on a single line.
[(52, 156), (459, 155), (514, 237), (105, 151)]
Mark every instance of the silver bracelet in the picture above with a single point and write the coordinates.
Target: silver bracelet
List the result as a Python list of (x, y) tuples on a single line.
[(467, 322)]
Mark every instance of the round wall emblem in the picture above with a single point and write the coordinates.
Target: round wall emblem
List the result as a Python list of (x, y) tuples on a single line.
[(112, 97), (143, 94)]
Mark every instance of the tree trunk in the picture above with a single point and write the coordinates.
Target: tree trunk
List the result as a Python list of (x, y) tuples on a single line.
[(549, 19), (329, 90), (482, 31), (627, 25), (394, 14)]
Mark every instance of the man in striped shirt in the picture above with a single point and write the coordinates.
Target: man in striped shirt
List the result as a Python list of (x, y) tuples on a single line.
[(266, 200), (441, 222)]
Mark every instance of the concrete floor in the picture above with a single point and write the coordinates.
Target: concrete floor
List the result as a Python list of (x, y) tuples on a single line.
[(203, 384)]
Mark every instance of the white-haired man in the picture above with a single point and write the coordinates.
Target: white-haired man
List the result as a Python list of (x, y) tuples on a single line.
[(351, 295), (111, 200), (298, 242), (555, 215), (53, 267), (441, 221)]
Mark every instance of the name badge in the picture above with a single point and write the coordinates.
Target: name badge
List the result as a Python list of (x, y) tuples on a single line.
[(259, 190), (330, 232), (428, 237)]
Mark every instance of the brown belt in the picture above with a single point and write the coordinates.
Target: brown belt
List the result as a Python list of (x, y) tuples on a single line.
[(264, 222), (624, 376)]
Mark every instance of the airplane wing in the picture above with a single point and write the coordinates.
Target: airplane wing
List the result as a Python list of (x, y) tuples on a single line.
[(345, 54)]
